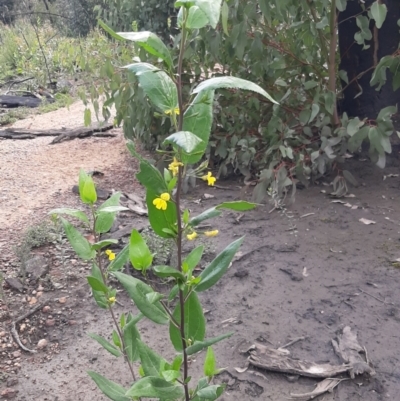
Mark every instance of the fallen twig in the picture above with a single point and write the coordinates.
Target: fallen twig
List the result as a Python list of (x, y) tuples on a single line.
[(373, 296), (14, 331), (293, 342)]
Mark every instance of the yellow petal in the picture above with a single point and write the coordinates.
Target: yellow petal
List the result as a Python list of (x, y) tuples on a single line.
[(165, 196), (211, 233), (191, 236)]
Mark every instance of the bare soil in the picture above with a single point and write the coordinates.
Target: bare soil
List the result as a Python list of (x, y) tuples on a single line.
[(307, 271)]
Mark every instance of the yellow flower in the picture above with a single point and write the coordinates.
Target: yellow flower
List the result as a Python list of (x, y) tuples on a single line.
[(111, 300), (211, 233), (174, 166), (161, 202), (209, 178), (175, 111), (110, 254), (191, 236)]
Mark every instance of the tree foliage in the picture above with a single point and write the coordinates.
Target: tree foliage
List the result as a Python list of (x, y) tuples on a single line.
[(290, 49)]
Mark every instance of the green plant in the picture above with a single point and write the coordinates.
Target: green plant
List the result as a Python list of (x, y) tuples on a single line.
[(291, 48), (180, 309)]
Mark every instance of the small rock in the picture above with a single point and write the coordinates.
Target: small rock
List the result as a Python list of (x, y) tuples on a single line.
[(62, 300), (12, 381), (241, 273), (40, 288), (15, 284), (46, 309), (39, 294), (37, 267), (22, 327), (42, 343), (50, 322), (72, 322), (16, 354), (8, 393), (33, 301)]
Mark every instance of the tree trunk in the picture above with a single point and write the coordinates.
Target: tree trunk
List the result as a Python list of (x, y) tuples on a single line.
[(359, 64)]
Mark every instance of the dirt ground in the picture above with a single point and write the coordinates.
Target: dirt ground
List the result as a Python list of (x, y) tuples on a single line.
[(305, 272)]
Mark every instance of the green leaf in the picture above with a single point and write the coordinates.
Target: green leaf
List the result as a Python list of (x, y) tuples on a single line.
[(131, 339), (159, 87), (112, 390), (378, 12), (71, 212), (99, 296), (168, 271), (139, 253), (104, 218), (354, 125), (150, 177), (185, 140), (198, 119), (197, 346), (194, 324), (110, 31), (196, 18), (87, 117), (155, 387), (232, 82), (224, 17), (138, 290), (105, 344), (207, 214), (211, 8), (217, 268), (97, 285), (350, 178), (210, 392), (356, 140), (152, 363), (78, 242), (341, 4), (101, 244), (193, 259), (113, 209), (170, 375), (87, 190), (151, 43), (374, 137), (120, 260), (210, 363), (240, 206), (161, 219)]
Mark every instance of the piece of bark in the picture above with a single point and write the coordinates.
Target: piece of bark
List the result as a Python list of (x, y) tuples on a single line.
[(279, 360), (61, 134), (349, 350), (10, 101), (326, 386)]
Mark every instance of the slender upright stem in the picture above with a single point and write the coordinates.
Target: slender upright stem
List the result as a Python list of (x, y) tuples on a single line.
[(103, 275), (332, 61), (178, 209)]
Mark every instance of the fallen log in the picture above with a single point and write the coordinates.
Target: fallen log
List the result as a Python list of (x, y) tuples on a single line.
[(9, 101), (60, 134)]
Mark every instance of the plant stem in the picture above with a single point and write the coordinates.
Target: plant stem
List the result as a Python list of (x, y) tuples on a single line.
[(180, 71), (103, 275), (332, 61), (181, 294)]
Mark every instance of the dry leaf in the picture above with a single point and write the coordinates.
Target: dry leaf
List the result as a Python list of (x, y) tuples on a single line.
[(338, 201), (350, 196), (366, 221), (348, 205), (305, 274), (208, 196), (333, 251)]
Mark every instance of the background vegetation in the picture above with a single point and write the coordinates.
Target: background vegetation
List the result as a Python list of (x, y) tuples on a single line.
[(296, 50)]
